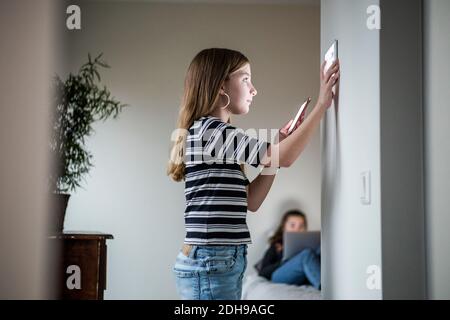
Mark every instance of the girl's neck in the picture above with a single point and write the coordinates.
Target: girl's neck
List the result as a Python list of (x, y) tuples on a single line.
[(224, 115)]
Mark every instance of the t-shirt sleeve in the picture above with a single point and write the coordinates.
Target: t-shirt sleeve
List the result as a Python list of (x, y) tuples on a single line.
[(226, 143)]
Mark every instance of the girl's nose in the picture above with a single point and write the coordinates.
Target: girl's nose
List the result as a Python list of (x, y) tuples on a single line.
[(254, 92)]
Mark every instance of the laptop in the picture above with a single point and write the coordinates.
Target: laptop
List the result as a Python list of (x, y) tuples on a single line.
[(294, 242)]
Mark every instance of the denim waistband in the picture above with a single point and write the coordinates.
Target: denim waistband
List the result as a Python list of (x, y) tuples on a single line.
[(213, 250)]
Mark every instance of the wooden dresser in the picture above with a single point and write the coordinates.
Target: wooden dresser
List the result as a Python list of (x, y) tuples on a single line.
[(80, 269)]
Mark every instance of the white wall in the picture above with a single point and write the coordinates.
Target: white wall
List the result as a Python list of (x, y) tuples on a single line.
[(149, 47), (350, 145), (376, 126), (437, 146)]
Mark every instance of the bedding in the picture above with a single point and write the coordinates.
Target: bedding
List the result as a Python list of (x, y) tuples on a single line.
[(256, 287)]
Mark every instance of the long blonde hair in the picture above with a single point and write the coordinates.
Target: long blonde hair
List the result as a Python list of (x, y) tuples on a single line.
[(206, 74)]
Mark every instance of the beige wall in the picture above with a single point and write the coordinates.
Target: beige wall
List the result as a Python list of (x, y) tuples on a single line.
[(27, 47), (149, 47)]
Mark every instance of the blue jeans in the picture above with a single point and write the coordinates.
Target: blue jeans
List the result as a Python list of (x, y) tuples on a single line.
[(305, 265), (211, 272)]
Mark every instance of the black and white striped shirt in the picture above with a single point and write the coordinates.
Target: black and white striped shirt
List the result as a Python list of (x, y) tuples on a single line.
[(215, 186)]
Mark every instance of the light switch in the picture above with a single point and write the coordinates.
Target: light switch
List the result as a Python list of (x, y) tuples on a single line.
[(365, 187)]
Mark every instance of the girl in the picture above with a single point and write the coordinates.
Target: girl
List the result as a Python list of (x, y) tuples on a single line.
[(301, 268), (209, 154)]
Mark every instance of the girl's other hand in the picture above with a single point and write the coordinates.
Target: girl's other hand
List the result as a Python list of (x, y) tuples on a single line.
[(284, 130)]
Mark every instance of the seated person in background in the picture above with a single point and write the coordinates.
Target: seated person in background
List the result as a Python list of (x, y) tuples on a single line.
[(302, 268)]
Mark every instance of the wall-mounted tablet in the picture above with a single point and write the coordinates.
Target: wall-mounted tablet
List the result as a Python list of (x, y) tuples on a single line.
[(331, 55)]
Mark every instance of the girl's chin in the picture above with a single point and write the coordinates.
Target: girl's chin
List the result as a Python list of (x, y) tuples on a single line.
[(242, 110), (245, 109)]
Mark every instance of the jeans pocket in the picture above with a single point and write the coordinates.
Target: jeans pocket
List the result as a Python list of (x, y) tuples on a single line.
[(244, 265), (183, 273), (220, 264), (187, 284), (186, 267)]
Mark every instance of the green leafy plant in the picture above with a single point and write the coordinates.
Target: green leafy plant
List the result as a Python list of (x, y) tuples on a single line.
[(79, 102)]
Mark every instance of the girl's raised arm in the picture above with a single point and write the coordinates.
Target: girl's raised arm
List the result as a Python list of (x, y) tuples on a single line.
[(288, 150)]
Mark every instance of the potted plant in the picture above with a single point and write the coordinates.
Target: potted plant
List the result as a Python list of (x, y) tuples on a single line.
[(79, 102)]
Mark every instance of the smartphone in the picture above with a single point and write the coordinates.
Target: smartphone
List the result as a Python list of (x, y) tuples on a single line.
[(331, 55), (300, 111)]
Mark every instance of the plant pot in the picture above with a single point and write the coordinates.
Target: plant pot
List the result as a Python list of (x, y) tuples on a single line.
[(58, 212)]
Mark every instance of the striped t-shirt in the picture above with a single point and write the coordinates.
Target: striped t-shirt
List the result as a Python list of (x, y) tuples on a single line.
[(215, 186)]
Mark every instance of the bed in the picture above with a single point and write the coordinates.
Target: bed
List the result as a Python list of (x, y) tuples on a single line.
[(255, 287)]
